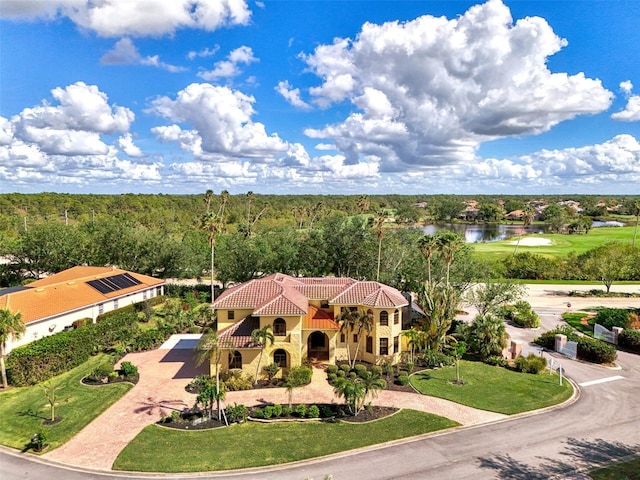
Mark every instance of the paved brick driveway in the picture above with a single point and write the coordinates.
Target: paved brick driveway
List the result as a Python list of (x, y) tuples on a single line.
[(165, 372)]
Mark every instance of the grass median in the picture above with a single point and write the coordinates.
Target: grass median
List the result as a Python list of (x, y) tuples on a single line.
[(23, 411), (495, 389), (159, 449)]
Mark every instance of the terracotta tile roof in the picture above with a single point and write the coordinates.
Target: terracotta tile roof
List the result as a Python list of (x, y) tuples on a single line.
[(318, 319), (238, 335), (280, 294), (68, 291), (372, 294)]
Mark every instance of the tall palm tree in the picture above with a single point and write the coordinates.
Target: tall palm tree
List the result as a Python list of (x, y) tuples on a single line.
[(449, 243), (212, 225), (428, 246), (636, 206), (355, 321), (440, 304), (528, 216), (208, 196), (11, 325), (211, 347), (378, 223), (262, 336), (250, 197)]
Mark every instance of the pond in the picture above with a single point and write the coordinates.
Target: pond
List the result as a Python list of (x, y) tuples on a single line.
[(490, 232), (493, 232)]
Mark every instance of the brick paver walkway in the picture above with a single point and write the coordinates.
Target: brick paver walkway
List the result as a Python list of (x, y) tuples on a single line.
[(164, 373)]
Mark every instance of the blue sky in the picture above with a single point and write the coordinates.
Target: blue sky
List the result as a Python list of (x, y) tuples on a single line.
[(149, 96)]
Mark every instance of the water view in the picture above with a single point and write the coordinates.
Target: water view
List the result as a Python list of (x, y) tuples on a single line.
[(494, 232)]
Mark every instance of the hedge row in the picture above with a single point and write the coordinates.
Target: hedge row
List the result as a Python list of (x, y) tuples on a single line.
[(49, 356), (630, 340), (589, 349)]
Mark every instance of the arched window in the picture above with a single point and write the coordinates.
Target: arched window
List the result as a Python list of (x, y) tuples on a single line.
[(235, 359), (280, 357), (396, 317), (384, 318), (279, 327)]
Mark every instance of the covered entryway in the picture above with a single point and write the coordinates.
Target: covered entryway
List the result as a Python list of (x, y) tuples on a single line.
[(318, 346)]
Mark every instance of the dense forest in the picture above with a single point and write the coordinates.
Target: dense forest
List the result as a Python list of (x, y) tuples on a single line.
[(250, 235)]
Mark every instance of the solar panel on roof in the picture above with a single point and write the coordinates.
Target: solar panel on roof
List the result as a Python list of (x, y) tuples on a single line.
[(114, 283)]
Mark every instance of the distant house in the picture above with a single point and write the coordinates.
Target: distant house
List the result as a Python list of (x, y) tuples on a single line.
[(515, 215), (303, 314), (52, 304)]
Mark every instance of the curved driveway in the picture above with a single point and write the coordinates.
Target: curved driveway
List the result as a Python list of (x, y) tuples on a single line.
[(600, 426)]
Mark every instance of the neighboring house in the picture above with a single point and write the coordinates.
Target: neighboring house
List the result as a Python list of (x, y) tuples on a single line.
[(52, 304), (303, 314)]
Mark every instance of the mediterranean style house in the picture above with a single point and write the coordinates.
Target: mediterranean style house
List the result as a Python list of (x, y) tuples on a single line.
[(51, 304), (303, 314)]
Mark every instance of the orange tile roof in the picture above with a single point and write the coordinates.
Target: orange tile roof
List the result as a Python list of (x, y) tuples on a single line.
[(372, 294), (68, 291), (318, 319), (238, 335)]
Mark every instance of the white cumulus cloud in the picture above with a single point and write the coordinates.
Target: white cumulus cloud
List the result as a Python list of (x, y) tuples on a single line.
[(125, 52), (231, 66), (116, 18), (631, 112), (431, 90), (291, 95)]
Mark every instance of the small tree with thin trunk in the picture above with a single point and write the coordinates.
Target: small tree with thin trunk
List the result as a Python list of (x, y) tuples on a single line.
[(11, 325), (262, 336), (51, 392)]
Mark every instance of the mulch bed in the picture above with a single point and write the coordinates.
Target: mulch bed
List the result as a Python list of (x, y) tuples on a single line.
[(340, 414), (118, 379)]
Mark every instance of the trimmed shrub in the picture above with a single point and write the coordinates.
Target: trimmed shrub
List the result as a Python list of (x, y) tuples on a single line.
[(101, 372), (286, 411), (360, 369), (342, 374), (523, 315), (277, 410), (496, 361), (596, 351), (313, 411), (326, 412), (612, 317), (49, 356), (268, 411), (344, 367), (128, 369), (530, 364), (236, 380), (332, 369), (630, 340), (432, 359), (332, 377), (237, 413), (301, 410), (402, 380), (376, 370), (302, 375)]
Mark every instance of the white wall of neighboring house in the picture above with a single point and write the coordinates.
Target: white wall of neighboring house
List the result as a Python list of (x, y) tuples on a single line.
[(55, 324)]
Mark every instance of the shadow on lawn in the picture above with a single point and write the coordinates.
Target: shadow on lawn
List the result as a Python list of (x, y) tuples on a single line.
[(581, 455), (31, 413)]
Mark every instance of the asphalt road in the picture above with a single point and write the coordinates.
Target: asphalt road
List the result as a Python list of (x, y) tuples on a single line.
[(603, 424)]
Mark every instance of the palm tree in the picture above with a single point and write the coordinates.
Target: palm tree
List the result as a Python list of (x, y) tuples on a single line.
[(210, 346), (357, 321), (378, 222), (208, 196), (528, 216), (413, 338), (449, 243), (636, 206), (262, 336), (224, 199), (11, 325), (428, 246), (440, 304), (212, 225), (250, 197), (363, 203), (487, 335), (353, 391)]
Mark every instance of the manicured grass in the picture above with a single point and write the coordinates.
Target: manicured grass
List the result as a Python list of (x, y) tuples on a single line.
[(560, 244), (158, 449), (493, 388), (23, 410), (575, 320), (621, 471)]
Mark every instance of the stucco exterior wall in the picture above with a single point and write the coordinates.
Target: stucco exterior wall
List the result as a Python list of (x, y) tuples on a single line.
[(52, 325)]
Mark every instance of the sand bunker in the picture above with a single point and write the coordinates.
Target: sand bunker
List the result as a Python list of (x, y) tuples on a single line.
[(532, 242)]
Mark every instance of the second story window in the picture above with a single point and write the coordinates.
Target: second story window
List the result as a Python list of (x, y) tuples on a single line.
[(384, 318), (279, 327), (231, 315)]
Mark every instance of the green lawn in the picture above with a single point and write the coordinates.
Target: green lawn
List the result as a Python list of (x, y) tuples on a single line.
[(158, 449), (560, 244), (22, 410), (493, 388), (622, 471), (575, 320)]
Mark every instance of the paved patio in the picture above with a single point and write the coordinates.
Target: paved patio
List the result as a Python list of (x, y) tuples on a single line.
[(165, 372)]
